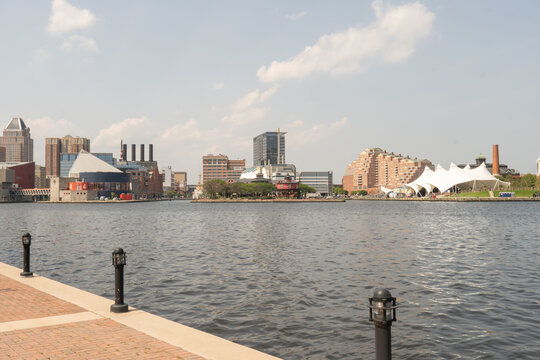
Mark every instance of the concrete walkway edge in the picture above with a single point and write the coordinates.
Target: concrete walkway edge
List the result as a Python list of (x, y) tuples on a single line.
[(195, 341)]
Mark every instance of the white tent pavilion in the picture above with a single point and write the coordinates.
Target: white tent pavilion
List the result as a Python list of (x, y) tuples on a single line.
[(457, 178)]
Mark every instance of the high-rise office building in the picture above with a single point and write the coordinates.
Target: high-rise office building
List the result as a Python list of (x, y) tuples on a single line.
[(2, 154), (269, 148), (55, 147), (17, 142)]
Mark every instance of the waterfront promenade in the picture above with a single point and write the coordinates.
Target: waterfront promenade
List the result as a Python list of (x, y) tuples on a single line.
[(44, 319)]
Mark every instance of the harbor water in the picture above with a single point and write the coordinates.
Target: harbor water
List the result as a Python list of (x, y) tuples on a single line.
[(293, 280)]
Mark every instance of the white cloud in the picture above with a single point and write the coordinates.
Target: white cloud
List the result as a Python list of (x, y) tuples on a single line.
[(218, 86), (79, 42), (248, 108), (40, 56), (66, 18), (295, 16), (299, 135), (48, 127), (126, 130), (391, 38)]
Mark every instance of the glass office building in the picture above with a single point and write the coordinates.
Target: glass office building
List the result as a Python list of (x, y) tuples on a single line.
[(269, 148)]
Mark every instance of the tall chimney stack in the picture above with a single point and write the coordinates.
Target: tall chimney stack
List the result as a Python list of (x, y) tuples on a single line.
[(133, 150), (151, 152), (124, 152), (142, 152), (495, 160)]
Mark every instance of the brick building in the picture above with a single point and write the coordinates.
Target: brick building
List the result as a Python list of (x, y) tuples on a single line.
[(375, 167), (54, 147), (219, 167), (2, 154), (24, 173)]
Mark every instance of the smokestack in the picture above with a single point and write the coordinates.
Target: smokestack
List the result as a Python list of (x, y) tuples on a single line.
[(495, 160), (133, 150), (142, 152), (124, 152), (151, 152)]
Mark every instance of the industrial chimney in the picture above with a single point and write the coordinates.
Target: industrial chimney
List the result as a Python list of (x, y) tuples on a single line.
[(124, 152), (133, 150), (150, 152), (495, 160), (142, 152)]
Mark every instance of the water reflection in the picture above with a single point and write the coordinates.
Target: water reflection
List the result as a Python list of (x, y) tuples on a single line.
[(293, 279)]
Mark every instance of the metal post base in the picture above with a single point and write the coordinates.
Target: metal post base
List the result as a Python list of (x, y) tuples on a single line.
[(27, 273), (119, 308)]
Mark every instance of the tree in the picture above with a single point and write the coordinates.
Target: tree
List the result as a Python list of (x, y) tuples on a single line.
[(304, 189), (213, 188), (528, 180), (538, 182), (235, 188)]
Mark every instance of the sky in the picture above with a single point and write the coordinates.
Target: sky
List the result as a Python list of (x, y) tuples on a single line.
[(441, 80)]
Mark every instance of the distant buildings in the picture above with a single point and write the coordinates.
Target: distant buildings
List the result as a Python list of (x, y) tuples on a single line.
[(494, 168), (269, 148), (40, 178), (24, 173), (269, 172), (55, 147), (375, 167), (2, 154), (168, 178), (219, 167), (180, 181), (321, 181), (538, 167), (67, 159), (16, 140)]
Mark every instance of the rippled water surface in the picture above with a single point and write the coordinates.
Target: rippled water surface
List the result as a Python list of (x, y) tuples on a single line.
[(293, 279)]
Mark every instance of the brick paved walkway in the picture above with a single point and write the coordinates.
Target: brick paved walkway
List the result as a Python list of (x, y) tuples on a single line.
[(101, 338)]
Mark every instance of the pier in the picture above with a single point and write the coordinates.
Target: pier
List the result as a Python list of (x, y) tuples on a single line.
[(45, 319)]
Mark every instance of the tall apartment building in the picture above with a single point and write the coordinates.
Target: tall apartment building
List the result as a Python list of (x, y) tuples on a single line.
[(269, 148), (17, 142), (375, 167), (54, 147), (219, 167), (2, 154)]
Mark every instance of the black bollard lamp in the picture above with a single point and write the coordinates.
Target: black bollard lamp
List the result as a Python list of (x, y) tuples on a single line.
[(26, 241), (119, 257), (119, 261), (382, 307)]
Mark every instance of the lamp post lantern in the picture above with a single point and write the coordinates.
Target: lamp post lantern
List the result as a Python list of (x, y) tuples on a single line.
[(119, 261), (382, 311), (26, 241)]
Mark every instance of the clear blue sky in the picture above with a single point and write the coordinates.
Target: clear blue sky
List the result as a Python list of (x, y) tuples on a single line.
[(442, 80)]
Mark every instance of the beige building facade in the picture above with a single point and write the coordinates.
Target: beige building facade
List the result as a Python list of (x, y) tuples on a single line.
[(16, 140), (375, 167), (219, 167)]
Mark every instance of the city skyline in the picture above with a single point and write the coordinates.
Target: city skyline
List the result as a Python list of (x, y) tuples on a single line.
[(199, 79)]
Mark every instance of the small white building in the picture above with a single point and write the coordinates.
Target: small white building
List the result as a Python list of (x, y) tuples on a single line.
[(168, 177)]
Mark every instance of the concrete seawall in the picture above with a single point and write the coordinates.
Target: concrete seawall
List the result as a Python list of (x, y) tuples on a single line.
[(43, 318)]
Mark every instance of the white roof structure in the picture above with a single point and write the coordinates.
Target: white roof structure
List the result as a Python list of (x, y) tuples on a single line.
[(87, 162), (463, 179), (251, 173)]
